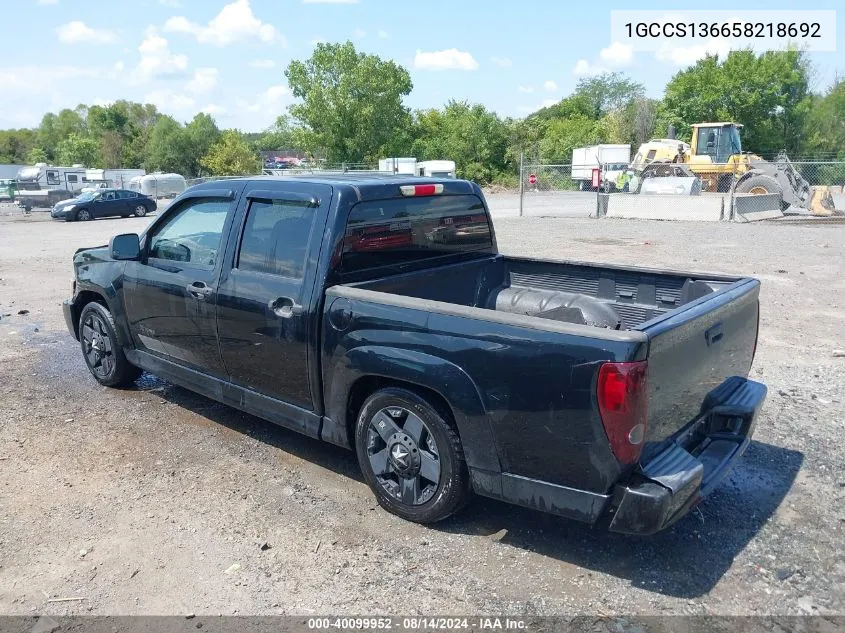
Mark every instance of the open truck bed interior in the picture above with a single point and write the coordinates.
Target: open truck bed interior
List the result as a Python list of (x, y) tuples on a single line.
[(577, 293)]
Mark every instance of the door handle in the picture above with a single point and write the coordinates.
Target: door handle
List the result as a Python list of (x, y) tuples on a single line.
[(198, 290), (285, 307)]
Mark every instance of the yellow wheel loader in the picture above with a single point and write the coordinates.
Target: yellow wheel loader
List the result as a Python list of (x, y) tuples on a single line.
[(715, 155)]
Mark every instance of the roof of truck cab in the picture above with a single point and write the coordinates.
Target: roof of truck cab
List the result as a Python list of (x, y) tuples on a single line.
[(366, 186), (356, 179)]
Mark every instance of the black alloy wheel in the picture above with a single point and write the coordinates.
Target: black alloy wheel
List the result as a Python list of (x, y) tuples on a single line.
[(411, 455), (101, 349)]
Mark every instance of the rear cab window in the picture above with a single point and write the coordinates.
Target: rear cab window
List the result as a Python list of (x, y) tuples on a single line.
[(395, 231)]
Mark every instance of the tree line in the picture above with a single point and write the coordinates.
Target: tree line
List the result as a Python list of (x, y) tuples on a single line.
[(351, 109)]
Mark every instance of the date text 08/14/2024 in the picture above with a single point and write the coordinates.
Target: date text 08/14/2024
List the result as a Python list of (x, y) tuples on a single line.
[(416, 623)]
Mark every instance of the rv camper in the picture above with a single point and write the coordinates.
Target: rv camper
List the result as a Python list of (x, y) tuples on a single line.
[(158, 185)]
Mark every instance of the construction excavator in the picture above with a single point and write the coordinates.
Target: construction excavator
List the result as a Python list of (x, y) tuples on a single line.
[(715, 155)]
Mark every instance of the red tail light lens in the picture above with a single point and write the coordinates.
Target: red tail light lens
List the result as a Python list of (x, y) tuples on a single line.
[(622, 397)]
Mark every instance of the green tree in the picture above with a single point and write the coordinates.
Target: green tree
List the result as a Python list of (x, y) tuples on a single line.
[(607, 92), (77, 148), (278, 137), (36, 155), (231, 156), (199, 136), (767, 93), (563, 135), (351, 103), (475, 138), (111, 149), (826, 122), (167, 149), (15, 145)]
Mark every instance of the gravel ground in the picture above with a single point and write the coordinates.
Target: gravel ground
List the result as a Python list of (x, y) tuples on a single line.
[(154, 500)]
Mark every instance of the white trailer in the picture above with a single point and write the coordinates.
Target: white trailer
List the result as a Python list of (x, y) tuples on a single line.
[(43, 185), (117, 178), (436, 168), (158, 185), (609, 157), (406, 166)]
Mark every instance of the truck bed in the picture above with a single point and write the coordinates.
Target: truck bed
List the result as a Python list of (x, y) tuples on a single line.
[(570, 292), (696, 331)]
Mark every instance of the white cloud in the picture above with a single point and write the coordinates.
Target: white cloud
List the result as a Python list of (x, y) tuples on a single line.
[(235, 23), (170, 3), (617, 54), (382, 34), (213, 108), (359, 33), (77, 32), (329, 1), (157, 59), (502, 62), (44, 79), (451, 59), (259, 113), (103, 103), (545, 103), (169, 101), (203, 81), (262, 63), (687, 55), (549, 86), (583, 67), (525, 89)]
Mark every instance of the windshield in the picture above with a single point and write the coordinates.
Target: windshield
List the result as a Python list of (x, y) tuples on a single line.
[(87, 196), (736, 145)]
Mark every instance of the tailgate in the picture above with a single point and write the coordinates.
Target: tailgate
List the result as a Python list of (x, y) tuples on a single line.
[(693, 350)]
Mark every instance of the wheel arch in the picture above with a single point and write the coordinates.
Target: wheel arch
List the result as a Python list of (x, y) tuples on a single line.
[(364, 370), (88, 295)]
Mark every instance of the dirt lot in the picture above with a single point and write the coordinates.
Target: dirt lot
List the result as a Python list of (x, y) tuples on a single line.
[(154, 500)]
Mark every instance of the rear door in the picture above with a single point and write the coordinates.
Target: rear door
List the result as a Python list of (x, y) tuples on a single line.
[(267, 302)]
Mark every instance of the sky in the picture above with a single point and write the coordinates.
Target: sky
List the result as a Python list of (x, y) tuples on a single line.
[(227, 57)]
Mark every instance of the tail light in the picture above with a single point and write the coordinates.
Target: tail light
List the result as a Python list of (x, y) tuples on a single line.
[(623, 405)]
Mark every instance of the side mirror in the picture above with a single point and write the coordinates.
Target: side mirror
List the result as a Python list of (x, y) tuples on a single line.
[(125, 247)]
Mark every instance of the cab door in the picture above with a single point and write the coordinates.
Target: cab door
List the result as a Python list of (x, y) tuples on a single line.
[(170, 294), (268, 302)]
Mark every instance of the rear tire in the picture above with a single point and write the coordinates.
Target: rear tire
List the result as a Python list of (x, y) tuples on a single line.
[(140, 211), (101, 349), (403, 444)]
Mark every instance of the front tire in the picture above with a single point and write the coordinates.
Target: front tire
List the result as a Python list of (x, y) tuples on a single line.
[(84, 215), (411, 456), (101, 349)]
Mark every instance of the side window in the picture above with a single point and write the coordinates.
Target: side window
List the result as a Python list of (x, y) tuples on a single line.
[(275, 238), (125, 195), (193, 234), (72, 178), (52, 177), (651, 154)]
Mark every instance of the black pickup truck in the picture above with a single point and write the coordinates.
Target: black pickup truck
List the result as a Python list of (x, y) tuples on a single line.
[(376, 313)]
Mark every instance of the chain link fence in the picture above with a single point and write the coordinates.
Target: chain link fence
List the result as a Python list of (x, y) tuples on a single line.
[(662, 190)]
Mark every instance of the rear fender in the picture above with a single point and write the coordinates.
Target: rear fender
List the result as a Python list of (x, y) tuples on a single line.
[(442, 377)]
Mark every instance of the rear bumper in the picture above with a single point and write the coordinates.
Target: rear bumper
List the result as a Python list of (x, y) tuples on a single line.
[(675, 480)]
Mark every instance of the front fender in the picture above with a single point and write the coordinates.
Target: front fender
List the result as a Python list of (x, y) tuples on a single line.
[(447, 379)]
